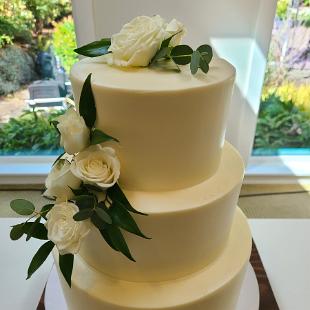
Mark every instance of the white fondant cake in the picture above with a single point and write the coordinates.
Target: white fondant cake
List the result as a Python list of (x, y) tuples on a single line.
[(170, 125), (177, 168)]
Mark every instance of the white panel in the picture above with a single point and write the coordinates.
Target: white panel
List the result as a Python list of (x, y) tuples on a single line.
[(239, 30)]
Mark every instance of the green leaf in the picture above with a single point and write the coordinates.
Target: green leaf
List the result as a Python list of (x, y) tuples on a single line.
[(40, 257), (206, 52), (22, 206), (181, 54), (45, 209), (85, 201), (79, 191), (66, 266), (162, 53), (94, 49), (118, 241), (97, 136), (166, 42), (56, 160), (33, 227), (103, 215), (91, 187), (116, 194), (17, 231), (203, 65), (54, 123), (105, 235), (98, 222), (39, 233), (82, 215), (122, 218), (87, 107), (195, 61)]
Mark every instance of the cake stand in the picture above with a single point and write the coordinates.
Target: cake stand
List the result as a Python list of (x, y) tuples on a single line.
[(248, 299)]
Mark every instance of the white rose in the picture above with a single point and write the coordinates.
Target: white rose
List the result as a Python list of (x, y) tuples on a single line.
[(59, 181), (63, 230), (175, 27), (97, 165), (137, 42), (74, 132)]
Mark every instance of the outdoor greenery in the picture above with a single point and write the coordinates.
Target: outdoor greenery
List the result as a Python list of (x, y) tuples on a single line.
[(64, 42), (19, 18), (16, 69), (284, 118), (282, 8), (31, 132)]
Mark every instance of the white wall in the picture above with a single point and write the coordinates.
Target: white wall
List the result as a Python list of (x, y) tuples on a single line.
[(238, 30)]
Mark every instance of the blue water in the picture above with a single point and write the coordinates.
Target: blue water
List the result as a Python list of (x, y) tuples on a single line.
[(33, 153)]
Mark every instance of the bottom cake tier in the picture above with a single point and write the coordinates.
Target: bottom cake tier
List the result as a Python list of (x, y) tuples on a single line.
[(215, 287)]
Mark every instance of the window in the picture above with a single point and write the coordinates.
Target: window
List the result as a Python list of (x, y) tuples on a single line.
[(37, 39), (283, 126)]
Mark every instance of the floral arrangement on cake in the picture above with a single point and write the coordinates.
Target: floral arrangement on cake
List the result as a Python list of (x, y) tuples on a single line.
[(149, 41), (83, 186), (83, 182)]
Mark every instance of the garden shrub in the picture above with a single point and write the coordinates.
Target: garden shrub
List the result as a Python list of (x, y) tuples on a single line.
[(64, 42), (31, 132), (282, 123), (290, 92), (16, 69), (282, 8), (15, 20)]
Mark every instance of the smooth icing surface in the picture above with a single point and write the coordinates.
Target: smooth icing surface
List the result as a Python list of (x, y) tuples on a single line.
[(189, 228), (215, 287), (170, 125)]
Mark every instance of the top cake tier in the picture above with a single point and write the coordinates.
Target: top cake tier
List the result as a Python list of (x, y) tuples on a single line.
[(170, 125)]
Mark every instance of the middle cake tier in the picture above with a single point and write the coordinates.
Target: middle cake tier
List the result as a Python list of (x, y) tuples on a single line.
[(189, 228)]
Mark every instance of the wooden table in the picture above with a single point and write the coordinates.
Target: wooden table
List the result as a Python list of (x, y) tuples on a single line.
[(283, 245)]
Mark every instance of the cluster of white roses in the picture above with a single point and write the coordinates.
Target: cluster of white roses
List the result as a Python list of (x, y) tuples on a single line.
[(91, 164), (139, 40)]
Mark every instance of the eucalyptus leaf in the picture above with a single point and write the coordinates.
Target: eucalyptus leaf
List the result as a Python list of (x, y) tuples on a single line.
[(22, 206), (195, 61), (103, 215), (97, 136), (116, 194), (94, 49), (118, 241), (204, 66), (82, 215), (206, 52), (79, 191), (33, 228), (40, 231), (87, 107), (85, 201), (122, 218), (17, 231), (181, 54), (91, 187), (66, 266), (40, 257)]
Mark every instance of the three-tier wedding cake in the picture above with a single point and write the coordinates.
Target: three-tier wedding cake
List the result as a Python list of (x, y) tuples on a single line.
[(177, 168), (144, 198)]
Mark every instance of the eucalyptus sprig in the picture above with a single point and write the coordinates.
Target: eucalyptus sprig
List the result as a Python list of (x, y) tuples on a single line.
[(179, 55)]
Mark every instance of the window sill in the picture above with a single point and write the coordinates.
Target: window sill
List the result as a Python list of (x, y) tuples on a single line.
[(24, 170), (285, 169)]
